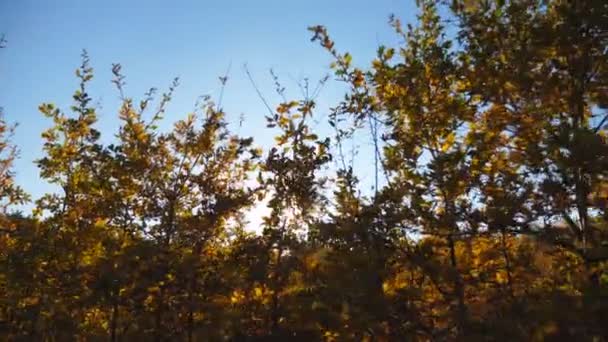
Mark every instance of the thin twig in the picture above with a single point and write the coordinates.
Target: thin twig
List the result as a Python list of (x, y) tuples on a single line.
[(223, 81), (257, 90)]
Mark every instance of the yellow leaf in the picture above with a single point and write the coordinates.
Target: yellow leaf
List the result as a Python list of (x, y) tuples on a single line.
[(448, 142)]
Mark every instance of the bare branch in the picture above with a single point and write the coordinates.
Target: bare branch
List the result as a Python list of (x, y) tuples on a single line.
[(257, 90)]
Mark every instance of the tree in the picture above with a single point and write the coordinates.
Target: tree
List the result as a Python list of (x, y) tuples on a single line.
[(488, 126), (291, 175)]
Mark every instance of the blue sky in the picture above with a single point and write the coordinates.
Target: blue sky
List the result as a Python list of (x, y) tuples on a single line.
[(158, 40)]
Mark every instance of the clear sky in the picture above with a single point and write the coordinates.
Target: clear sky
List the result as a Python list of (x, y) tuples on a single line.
[(158, 40)]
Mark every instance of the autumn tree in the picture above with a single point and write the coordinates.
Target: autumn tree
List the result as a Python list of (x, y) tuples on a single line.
[(487, 219), (291, 175)]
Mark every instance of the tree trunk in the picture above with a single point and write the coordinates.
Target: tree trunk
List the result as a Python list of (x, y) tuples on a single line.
[(159, 315), (114, 321), (505, 255), (462, 311)]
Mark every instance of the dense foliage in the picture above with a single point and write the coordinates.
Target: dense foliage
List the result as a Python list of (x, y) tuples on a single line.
[(489, 223)]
